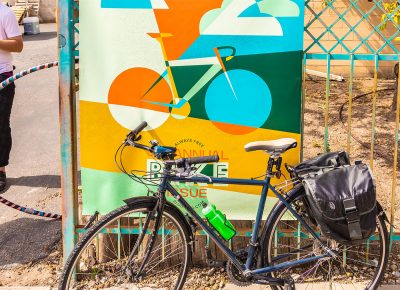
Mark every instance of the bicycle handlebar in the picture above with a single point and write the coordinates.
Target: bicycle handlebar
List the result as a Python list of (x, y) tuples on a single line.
[(185, 162), (180, 163), (139, 128), (132, 137)]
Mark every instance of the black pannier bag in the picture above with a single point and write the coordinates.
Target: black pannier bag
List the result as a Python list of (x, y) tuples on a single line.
[(343, 202), (321, 163), (330, 159)]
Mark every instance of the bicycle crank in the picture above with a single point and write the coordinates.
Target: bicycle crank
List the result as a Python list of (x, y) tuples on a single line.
[(234, 274)]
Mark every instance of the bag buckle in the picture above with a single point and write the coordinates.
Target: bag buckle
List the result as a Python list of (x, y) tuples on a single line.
[(350, 210), (352, 218)]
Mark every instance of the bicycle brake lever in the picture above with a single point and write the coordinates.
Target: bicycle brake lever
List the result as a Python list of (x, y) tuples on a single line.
[(202, 175), (181, 172), (130, 139)]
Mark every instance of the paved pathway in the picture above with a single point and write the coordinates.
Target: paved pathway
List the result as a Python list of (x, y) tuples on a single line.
[(34, 166)]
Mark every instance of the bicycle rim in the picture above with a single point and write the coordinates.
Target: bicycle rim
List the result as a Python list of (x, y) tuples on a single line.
[(358, 266), (101, 256)]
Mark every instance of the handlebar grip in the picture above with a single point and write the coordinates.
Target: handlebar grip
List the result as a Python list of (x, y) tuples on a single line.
[(203, 159), (186, 162), (139, 128)]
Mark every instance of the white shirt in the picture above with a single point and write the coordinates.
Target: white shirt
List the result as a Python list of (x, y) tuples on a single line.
[(8, 28)]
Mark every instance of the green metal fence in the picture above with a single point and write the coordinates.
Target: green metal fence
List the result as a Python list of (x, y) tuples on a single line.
[(336, 30), (355, 31)]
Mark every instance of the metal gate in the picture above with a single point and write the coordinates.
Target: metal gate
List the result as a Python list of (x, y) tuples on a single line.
[(355, 32)]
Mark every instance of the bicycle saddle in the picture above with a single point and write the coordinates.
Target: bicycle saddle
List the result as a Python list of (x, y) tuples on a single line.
[(277, 146)]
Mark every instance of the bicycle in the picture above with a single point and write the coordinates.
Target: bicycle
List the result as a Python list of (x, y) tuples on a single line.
[(149, 241)]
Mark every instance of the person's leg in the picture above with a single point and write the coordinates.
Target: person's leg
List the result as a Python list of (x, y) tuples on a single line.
[(6, 101)]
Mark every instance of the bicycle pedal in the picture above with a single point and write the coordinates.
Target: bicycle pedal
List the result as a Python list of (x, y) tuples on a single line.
[(268, 280)]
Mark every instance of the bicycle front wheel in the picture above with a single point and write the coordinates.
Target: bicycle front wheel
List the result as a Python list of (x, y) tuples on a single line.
[(125, 250), (359, 266)]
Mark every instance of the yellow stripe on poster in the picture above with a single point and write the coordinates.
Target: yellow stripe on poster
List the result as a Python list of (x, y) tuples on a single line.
[(101, 135)]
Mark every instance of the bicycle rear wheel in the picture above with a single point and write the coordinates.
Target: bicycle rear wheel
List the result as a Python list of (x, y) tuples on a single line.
[(113, 253), (359, 266)]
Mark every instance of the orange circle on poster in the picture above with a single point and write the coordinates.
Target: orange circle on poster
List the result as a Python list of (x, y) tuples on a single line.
[(139, 87), (133, 98)]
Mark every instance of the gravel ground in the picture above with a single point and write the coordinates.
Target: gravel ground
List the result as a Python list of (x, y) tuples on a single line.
[(46, 272)]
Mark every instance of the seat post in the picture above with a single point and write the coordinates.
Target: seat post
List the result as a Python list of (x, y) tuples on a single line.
[(253, 243), (274, 160), (270, 167)]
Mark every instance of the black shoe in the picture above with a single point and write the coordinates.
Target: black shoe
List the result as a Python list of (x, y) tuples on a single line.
[(3, 180)]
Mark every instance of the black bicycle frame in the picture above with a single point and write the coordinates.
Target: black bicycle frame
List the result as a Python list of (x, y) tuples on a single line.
[(266, 186)]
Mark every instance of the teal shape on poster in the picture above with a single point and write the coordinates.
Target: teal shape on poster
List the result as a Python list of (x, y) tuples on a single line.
[(292, 40), (245, 45), (238, 97), (292, 24), (129, 4), (252, 11)]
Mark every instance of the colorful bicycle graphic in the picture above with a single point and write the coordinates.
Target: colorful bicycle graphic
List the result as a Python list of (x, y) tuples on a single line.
[(231, 96)]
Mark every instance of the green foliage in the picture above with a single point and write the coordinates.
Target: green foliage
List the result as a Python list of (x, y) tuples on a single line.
[(316, 144), (390, 8), (328, 147)]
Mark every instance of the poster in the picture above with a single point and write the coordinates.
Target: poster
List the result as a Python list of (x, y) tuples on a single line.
[(208, 76)]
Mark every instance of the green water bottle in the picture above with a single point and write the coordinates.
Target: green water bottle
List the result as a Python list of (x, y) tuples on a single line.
[(218, 220)]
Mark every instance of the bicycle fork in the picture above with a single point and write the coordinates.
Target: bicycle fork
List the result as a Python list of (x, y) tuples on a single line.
[(157, 214)]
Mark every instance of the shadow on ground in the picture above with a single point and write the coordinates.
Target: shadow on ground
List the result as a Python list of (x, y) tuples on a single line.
[(27, 240), (47, 181), (42, 36)]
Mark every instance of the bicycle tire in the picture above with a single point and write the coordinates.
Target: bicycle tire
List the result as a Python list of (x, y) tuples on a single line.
[(146, 204), (280, 209)]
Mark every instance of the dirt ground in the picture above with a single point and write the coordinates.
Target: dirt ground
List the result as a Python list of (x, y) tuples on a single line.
[(45, 271), (361, 128)]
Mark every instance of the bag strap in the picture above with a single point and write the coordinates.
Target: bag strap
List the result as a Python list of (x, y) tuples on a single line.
[(334, 162), (352, 218)]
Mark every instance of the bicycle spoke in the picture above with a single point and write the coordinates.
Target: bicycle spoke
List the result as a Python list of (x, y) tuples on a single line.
[(327, 273), (104, 259)]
